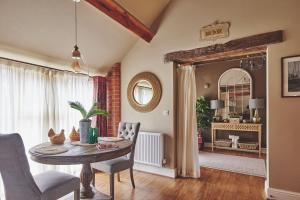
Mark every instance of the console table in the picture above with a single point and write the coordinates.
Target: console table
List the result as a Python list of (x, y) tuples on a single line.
[(249, 127)]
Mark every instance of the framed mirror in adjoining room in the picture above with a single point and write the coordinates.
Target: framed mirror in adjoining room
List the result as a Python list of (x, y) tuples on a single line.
[(144, 92), (235, 88)]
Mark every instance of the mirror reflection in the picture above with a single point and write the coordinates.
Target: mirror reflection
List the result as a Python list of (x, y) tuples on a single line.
[(235, 89), (143, 92)]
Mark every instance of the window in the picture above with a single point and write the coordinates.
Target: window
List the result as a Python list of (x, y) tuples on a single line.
[(34, 99)]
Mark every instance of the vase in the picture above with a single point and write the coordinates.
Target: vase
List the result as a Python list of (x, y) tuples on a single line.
[(84, 126)]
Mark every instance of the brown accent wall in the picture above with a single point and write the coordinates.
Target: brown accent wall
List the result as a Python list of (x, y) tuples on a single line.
[(113, 99), (210, 73)]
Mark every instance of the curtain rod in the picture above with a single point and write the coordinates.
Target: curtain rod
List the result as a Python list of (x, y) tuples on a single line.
[(43, 66)]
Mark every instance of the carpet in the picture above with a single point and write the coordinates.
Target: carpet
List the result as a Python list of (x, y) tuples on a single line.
[(238, 164)]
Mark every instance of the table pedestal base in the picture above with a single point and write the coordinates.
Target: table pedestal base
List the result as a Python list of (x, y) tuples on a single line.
[(98, 196), (86, 176)]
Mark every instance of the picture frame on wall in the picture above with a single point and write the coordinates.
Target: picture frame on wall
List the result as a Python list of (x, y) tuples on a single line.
[(290, 76)]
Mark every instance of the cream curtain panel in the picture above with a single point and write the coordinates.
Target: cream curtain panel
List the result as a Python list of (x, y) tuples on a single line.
[(35, 99), (187, 145)]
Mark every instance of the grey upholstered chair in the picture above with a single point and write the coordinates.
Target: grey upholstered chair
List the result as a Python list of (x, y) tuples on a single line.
[(18, 180), (127, 131)]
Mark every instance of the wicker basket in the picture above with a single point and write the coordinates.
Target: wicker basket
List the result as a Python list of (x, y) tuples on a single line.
[(223, 143), (248, 146)]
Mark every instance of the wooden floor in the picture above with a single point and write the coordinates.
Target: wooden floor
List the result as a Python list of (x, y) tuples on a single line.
[(213, 185)]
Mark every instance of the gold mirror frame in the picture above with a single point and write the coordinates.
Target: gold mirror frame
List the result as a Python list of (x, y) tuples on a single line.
[(157, 91)]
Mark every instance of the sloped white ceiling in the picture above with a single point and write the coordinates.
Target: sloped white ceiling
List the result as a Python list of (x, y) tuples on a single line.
[(145, 10), (47, 27)]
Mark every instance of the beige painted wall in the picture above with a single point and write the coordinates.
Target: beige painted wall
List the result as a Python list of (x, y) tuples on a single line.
[(180, 30)]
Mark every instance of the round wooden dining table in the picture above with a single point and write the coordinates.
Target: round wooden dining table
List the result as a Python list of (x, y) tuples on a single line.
[(85, 155)]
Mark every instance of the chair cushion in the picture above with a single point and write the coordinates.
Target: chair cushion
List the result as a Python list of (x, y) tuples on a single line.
[(54, 185), (113, 165)]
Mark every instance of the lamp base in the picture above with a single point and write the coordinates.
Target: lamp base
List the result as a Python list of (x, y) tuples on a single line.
[(256, 118)]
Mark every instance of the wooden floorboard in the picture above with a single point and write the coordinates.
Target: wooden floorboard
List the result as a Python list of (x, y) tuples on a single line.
[(213, 185)]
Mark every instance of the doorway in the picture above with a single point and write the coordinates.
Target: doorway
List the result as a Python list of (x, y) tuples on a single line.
[(234, 81)]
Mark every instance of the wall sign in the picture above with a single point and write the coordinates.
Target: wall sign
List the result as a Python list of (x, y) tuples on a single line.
[(215, 31)]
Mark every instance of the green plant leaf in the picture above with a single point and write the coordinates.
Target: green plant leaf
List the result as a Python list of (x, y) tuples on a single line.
[(94, 110), (204, 113), (97, 112), (78, 106)]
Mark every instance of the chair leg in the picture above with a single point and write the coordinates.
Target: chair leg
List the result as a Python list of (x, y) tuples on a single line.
[(112, 192), (131, 177), (77, 194), (94, 177), (119, 179)]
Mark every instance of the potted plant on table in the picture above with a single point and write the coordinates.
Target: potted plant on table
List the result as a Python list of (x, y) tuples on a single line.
[(204, 117), (85, 122)]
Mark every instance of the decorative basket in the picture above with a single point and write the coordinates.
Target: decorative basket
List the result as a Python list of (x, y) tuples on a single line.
[(248, 146), (223, 143)]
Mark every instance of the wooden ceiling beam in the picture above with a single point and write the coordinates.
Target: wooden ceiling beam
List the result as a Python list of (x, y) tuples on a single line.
[(122, 16), (237, 47)]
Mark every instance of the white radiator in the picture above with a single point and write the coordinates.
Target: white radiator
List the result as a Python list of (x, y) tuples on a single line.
[(149, 149)]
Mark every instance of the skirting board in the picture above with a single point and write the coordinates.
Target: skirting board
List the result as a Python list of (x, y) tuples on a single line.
[(208, 144), (155, 170), (276, 194)]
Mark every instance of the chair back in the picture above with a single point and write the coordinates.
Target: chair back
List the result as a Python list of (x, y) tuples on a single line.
[(129, 131), (14, 168)]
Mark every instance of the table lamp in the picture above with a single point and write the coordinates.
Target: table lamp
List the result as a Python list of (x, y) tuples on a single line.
[(256, 104), (216, 105)]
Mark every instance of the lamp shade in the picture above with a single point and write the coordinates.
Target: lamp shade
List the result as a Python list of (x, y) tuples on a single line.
[(216, 104), (256, 103)]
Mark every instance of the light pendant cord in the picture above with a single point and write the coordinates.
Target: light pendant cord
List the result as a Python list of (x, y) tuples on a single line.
[(75, 22)]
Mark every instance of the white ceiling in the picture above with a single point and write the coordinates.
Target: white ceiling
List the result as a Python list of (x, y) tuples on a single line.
[(46, 27), (145, 10)]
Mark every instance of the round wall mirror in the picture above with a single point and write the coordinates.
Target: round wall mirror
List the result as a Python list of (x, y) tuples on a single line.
[(144, 92)]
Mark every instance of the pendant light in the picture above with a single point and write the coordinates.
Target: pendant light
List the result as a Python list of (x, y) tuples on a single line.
[(76, 55)]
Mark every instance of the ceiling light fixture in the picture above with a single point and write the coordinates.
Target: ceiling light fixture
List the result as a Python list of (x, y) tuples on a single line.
[(76, 55), (253, 63)]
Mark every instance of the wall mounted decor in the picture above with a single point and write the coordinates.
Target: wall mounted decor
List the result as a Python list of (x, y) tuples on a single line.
[(144, 92), (235, 89), (290, 76), (215, 31)]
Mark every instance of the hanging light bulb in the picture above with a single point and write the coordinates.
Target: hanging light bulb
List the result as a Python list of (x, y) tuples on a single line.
[(76, 55)]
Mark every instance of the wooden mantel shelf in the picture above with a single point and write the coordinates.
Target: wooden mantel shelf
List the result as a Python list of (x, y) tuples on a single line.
[(234, 48)]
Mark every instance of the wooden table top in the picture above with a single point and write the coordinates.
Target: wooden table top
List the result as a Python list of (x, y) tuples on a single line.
[(80, 154)]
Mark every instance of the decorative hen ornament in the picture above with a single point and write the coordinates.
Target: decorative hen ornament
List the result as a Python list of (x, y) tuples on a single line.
[(57, 138), (74, 135)]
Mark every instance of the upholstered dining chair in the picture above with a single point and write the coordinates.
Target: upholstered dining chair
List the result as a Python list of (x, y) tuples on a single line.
[(128, 131), (18, 180)]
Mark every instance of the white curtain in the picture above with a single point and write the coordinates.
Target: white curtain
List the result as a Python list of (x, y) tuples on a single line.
[(35, 99), (187, 143)]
